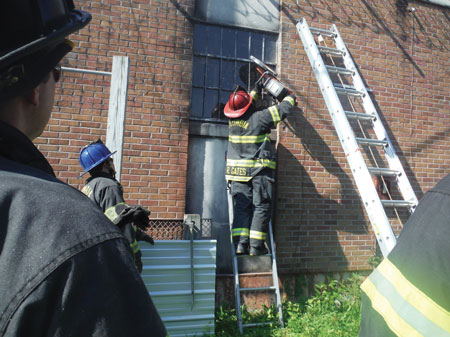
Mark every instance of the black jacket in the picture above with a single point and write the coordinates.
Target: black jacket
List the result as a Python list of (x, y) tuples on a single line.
[(107, 193), (250, 149), (65, 270)]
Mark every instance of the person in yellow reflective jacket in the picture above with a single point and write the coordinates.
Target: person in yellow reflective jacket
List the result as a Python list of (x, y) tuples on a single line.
[(103, 189), (407, 295), (250, 166)]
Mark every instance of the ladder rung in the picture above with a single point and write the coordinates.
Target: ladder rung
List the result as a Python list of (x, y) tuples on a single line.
[(385, 172), (397, 203), (331, 51), (368, 141), (339, 70), (360, 115), (350, 91), (250, 325), (320, 31), (258, 288)]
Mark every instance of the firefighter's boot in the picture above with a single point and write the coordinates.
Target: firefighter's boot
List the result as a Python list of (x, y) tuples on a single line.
[(242, 248), (259, 250)]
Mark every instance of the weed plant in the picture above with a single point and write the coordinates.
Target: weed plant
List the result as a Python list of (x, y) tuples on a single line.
[(333, 310)]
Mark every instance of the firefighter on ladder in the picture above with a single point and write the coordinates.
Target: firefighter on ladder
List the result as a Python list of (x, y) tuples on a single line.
[(250, 166), (107, 193)]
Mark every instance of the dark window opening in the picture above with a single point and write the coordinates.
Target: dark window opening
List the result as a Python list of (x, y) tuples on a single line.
[(222, 61)]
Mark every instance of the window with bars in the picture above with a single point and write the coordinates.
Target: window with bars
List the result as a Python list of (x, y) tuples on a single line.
[(221, 61)]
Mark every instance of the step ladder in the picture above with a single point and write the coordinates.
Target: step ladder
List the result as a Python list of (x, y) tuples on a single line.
[(350, 105), (274, 289)]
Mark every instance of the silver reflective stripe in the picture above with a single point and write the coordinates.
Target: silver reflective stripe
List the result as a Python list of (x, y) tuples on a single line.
[(275, 115), (240, 231), (111, 213), (252, 163), (87, 190), (257, 235), (290, 100), (248, 139), (403, 317), (236, 178)]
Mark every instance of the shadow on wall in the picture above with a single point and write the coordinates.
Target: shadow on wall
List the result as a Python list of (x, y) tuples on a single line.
[(410, 29), (311, 224)]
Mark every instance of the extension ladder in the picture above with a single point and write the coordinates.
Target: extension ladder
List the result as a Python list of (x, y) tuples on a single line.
[(349, 104), (274, 289)]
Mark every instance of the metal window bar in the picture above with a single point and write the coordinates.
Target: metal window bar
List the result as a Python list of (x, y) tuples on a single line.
[(222, 58)]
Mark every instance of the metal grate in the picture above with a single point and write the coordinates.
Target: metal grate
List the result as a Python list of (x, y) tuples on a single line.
[(206, 229), (166, 229)]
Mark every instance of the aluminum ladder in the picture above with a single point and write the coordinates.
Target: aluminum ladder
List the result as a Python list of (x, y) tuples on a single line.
[(332, 62), (274, 288)]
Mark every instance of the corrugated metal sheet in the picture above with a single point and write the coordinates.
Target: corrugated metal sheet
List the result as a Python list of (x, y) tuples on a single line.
[(167, 276)]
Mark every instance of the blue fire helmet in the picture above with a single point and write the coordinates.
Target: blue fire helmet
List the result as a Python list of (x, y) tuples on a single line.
[(93, 155)]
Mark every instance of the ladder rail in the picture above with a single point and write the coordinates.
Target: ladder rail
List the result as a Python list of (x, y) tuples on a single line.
[(238, 290), (275, 277), (369, 196), (380, 132), (237, 294)]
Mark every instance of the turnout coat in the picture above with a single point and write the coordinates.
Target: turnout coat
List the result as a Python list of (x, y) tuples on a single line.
[(408, 294), (65, 269)]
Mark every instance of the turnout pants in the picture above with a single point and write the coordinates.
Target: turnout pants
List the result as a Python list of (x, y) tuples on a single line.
[(252, 205)]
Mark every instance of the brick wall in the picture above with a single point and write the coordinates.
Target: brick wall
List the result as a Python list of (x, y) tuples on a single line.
[(404, 59), (320, 223), (157, 38)]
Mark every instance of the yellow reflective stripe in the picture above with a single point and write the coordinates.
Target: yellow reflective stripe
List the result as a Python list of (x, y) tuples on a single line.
[(135, 246), (237, 178), (111, 213), (257, 235), (241, 162), (248, 139), (421, 302), (252, 163), (275, 114), (385, 309), (290, 100), (87, 190), (240, 231)]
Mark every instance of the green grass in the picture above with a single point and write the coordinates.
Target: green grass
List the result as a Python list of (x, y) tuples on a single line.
[(334, 310)]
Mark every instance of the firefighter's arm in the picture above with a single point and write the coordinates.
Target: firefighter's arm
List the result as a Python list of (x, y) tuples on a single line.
[(283, 108), (96, 292), (133, 214), (110, 196), (271, 116)]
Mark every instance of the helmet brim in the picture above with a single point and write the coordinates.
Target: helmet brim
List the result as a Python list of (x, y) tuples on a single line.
[(230, 113), (96, 164), (77, 20)]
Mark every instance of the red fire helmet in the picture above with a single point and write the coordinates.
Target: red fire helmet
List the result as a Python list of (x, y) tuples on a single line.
[(237, 104)]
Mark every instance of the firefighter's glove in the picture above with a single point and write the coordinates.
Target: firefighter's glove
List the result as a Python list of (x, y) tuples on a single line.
[(140, 217), (143, 236), (259, 85), (133, 214), (291, 95)]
